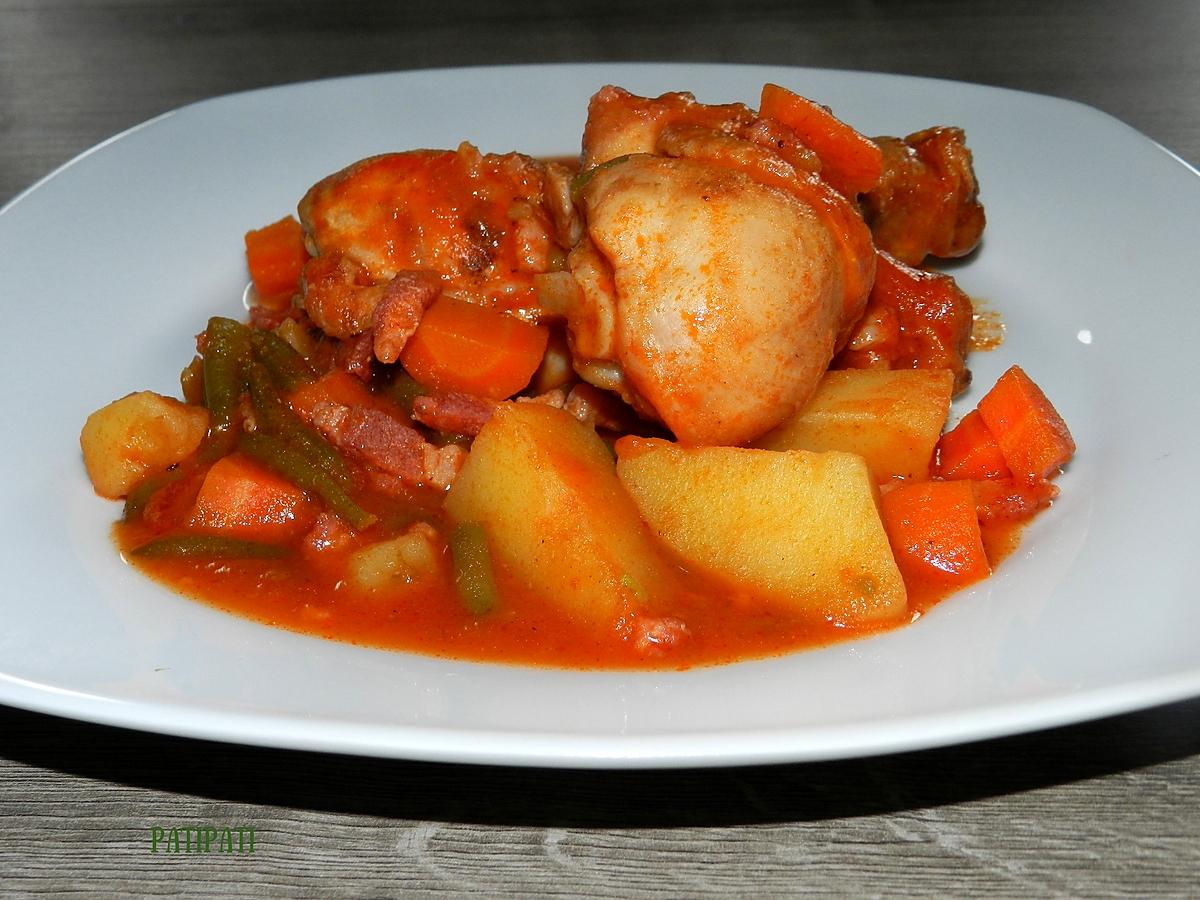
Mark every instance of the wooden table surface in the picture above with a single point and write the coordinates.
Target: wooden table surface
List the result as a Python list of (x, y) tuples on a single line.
[(1106, 808)]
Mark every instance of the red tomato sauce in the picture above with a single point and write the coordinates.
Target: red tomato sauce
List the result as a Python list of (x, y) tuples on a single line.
[(429, 618)]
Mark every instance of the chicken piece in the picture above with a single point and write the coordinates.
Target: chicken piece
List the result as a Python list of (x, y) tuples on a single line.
[(717, 275), (927, 202), (620, 123), (479, 222), (725, 294)]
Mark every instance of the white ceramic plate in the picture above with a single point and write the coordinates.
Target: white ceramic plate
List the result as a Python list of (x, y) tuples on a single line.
[(115, 261)]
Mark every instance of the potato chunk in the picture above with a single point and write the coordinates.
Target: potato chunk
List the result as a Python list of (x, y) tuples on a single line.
[(557, 518), (802, 528), (414, 556), (892, 419), (137, 436)]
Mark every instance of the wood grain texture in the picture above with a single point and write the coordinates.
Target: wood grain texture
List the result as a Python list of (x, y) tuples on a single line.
[(1103, 809)]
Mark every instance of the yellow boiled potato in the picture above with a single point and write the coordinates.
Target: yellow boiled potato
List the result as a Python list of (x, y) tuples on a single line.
[(139, 435), (413, 556), (801, 527), (544, 488), (893, 419)]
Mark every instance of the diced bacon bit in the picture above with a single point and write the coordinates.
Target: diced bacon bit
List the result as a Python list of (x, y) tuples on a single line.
[(442, 464), (784, 141), (556, 398), (532, 237), (568, 224), (460, 413), (267, 319), (405, 298), (246, 413), (380, 440), (658, 635), (354, 355), (454, 412), (322, 546), (328, 532), (599, 409), (1007, 499)]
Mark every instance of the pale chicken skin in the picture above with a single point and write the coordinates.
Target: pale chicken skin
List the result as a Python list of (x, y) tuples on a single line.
[(718, 274), (727, 294)]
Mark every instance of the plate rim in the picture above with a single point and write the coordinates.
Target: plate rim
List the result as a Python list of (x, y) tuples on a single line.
[(561, 750)]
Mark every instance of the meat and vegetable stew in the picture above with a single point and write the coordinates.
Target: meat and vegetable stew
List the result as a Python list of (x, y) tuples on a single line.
[(680, 401)]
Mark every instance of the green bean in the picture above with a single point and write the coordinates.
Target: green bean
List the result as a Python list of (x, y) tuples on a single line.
[(473, 576), (136, 500), (269, 411), (288, 368), (405, 389), (275, 417), (580, 181), (226, 345), (277, 454), (188, 546)]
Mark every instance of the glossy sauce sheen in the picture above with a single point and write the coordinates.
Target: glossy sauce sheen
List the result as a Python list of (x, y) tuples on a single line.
[(429, 618)]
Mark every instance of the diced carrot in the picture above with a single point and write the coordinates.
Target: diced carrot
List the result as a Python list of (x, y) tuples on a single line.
[(242, 499), (1010, 499), (170, 505), (338, 386), (276, 256), (934, 532), (969, 450), (850, 162), (1032, 435), (460, 346)]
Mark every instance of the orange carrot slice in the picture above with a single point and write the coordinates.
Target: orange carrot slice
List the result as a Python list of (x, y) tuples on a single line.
[(460, 346), (850, 162), (969, 450), (1032, 435), (934, 532), (242, 499), (338, 386), (276, 256), (1011, 499)]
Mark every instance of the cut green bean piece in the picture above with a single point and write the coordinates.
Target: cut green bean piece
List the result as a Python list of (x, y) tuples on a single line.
[(190, 546), (136, 500), (275, 417), (277, 454), (288, 368), (268, 405), (580, 181), (226, 346), (473, 576), (405, 389)]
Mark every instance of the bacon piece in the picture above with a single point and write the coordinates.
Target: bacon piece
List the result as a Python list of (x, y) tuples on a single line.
[(327, 533), (915, 319), (454, 412), (269, 319), (599, 409), (404, 300), (355, 354), (655, 636), (378, 439)]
